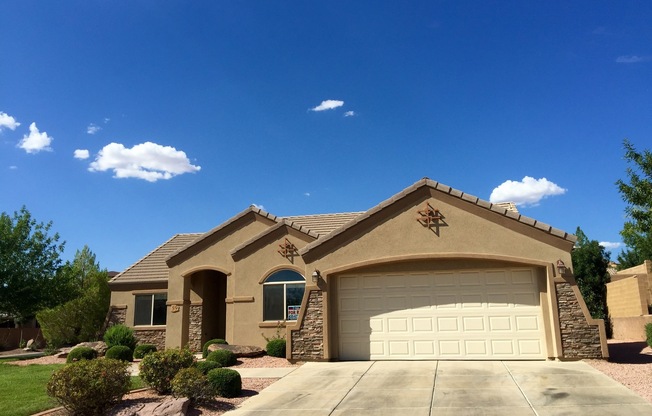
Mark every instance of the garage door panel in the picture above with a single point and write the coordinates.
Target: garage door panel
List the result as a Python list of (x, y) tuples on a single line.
[(436, 316)]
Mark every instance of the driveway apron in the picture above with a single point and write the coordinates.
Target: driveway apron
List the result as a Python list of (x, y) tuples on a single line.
[(446, 388)]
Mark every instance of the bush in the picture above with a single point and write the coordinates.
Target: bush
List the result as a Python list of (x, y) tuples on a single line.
[(276, 348), (209, 343), (159, 368), (120, 352), (225, 358), (206, 366), (120, 335), (193, 384), (80, 319), (144, 349), (225, 382), (648, 334), (81, 353), (90, 387)]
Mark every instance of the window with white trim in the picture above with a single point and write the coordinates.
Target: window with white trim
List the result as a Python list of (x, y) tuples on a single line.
[(151, 309), (282, 295)]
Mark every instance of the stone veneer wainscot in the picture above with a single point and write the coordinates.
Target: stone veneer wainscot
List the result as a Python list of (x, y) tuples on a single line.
[(308, 340), (578, 338)]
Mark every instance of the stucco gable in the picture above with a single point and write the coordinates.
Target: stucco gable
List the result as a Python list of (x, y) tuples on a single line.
[(284, 227), (226, 228), (366, 220)]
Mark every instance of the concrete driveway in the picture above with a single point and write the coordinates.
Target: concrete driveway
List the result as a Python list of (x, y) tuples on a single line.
[(418, 388)]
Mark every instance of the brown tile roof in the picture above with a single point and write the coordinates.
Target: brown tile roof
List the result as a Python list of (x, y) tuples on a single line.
[(153, 265), (322, 224)]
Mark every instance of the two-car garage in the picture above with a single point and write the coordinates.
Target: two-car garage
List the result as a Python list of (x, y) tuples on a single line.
[(472, 314)]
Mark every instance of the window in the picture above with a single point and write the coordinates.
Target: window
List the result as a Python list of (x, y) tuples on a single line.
[(150, 309), (282, 295)]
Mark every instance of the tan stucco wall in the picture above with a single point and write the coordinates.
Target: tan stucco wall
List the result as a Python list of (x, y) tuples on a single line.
[(630, 328), (210, 255), (627, 297), (393, 239), (248, 326)]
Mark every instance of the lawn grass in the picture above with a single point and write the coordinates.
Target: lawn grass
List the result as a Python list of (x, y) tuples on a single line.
[(22, 389)]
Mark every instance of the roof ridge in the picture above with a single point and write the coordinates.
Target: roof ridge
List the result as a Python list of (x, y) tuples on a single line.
[(151, 252), (321, 215)]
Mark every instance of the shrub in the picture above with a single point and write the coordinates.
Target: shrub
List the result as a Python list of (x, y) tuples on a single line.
[(81, 353), (159, 368), (193, 384), (206, 366), (90, 387), (209, 343), (225, 382), (143, 349), (276, 348), (225, 358), (648, 334), (120, 352), (80, 319), (120, 335)]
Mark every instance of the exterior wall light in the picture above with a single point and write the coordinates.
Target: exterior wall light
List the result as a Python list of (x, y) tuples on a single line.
[(561, 267), (316, 275)]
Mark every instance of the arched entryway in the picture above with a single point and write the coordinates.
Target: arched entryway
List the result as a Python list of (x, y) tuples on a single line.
[(207, 317)]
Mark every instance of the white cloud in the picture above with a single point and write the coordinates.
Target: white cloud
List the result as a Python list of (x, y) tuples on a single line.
[(8, 122), (106, 120), (328, 105), (93, 128), (148, 161), (82, 154), (529, 191), (36, 141), (610, 246), (306, 194), (349, 114), (258, 206), (13, 167), (632, 59)]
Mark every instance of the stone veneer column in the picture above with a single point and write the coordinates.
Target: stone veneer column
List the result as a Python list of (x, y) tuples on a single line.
[(194, 328), (579, 339), (117, 315), (308, 340)]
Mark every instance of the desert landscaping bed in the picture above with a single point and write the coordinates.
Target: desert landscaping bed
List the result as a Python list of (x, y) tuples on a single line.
[(135, 400)]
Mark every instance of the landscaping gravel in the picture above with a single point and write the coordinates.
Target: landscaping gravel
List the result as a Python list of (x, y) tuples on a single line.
[(630, 364)]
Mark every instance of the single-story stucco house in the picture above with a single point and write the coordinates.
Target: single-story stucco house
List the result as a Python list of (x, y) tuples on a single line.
[(431, 273)]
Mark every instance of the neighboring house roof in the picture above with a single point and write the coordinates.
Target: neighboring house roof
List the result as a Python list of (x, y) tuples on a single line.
[(153, 265), (509, 206)]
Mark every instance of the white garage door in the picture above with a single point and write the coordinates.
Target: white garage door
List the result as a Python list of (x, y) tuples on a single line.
[(476, 315)]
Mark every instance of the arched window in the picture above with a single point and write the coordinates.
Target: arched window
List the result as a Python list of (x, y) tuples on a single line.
[(282, 295)]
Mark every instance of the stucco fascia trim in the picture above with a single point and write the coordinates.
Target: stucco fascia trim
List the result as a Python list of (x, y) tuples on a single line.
[(432, 256), (283, 267), (435, 186), (177, 302), (240, 299), (124, 284), (148, 291), (188, 273), (215, 234)]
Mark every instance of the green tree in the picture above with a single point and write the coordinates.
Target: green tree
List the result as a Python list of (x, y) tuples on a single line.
[(590, 262), (81, 318), (29, 261), (637, 193)]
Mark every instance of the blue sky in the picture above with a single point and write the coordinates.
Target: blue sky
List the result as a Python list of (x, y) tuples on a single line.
[(127, 122)]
